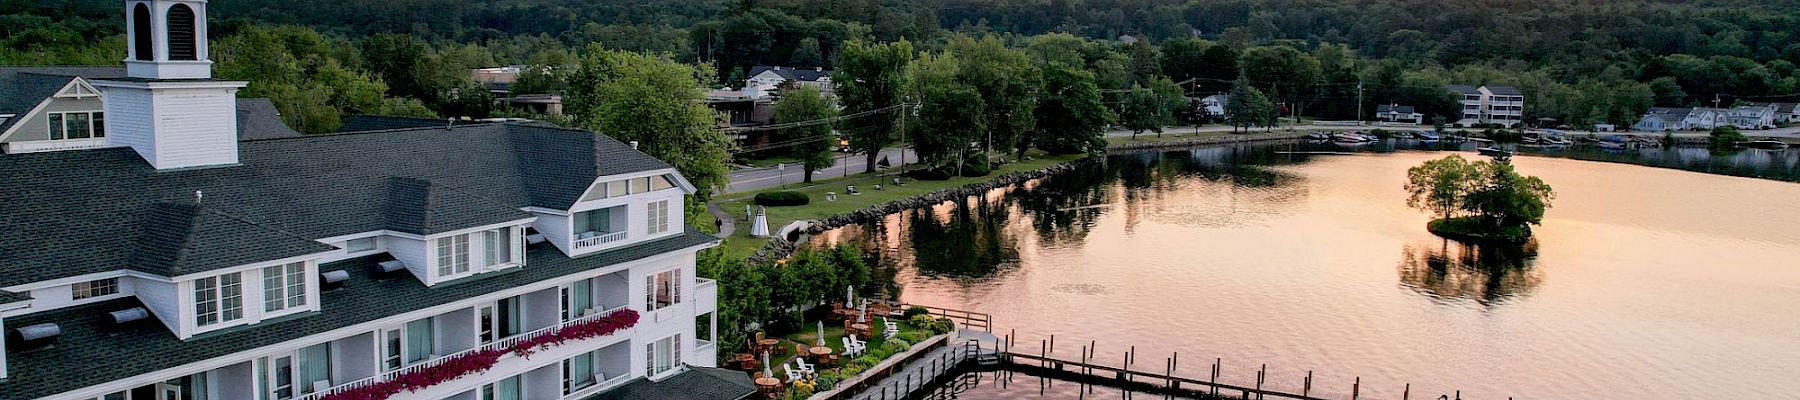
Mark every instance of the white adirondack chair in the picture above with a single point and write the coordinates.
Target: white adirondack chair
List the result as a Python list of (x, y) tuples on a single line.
[(792, 375), (850, 349), (889, 329), (801, 363)]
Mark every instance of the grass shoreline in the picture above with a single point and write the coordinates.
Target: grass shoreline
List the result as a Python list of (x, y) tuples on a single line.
[(1468, 229)]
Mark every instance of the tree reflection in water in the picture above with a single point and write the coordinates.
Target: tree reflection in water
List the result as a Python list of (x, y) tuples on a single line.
[(1487, 274), (971, 244)]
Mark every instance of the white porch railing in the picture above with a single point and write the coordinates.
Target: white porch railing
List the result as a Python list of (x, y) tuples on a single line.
[(503, 343), (600, 239)]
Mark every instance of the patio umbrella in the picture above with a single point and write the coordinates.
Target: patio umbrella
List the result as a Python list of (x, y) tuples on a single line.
[(849, 296), (767, 373), (821, 333), (862, 313)]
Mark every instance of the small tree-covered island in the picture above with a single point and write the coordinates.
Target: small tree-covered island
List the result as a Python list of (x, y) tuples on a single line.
[(1478, 201)]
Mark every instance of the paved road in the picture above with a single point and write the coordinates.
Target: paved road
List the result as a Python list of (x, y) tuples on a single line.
[(745, 180)]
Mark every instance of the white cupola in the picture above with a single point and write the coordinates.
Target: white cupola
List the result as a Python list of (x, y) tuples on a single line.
[(168, 107)]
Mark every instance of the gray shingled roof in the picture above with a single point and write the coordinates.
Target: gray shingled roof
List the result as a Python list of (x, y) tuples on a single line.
[(74, 212), (1464, 89), (792, 74), (697, 383), (1505, 91), (258, 119), (87, 354), (363, 122), (10, 297), (182, 237), (421, 207)]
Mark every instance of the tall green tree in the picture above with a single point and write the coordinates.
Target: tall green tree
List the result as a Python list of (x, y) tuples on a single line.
[(1442, 185), (950, 112), (1247, 107), (872, 77), (1289, 74), (1008, 82), (297, 69), (402, 61), (806, 103), (1143, 110), (1071, 117), (1185, 58), (650, 99)]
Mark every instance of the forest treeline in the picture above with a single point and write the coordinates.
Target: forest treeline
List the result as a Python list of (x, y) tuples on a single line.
[(1579, 62)]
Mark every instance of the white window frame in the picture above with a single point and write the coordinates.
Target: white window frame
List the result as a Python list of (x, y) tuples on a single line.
[(671, 358), (284, 287), (222, 308), (60, 129), (94, 289), (657, 218), (452, 256), (655, 281)]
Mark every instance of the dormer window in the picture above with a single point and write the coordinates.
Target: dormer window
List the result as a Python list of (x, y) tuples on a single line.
[(467, 254), (284, 286), (631, 186), (218, 299)]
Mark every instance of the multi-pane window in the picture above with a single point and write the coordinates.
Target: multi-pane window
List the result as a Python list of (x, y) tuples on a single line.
[(497, 246), (631, 186), (662, 355), (662, 289), (218, 299), (453, 255), (504, 389), (658, 218), (96, 288), (284, 286), (77, 125)]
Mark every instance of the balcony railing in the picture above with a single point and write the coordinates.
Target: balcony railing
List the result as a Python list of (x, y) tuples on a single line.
[(600, 239), (504, 343)]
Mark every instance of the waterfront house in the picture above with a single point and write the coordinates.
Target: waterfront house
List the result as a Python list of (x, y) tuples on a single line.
[(180, 261), (1752, 116), (1489, 105), (767, 79), (1662, 119), (1703, 118), (1787, 113), (1398, 113), (1215, 104)]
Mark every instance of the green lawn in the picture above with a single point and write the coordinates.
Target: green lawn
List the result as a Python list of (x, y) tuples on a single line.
[(741, 244)]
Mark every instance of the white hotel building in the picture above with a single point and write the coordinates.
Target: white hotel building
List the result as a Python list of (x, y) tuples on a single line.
[(180, 261)]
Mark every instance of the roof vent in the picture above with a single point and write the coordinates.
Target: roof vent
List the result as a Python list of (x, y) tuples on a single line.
[(333, 279), (31, 336), (634, 145), (389, 267), (121, 318), (534, 238)]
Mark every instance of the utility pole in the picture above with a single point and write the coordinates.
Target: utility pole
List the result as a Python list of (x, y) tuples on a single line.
[(1359, 106), (904, 109), (1715, 100)]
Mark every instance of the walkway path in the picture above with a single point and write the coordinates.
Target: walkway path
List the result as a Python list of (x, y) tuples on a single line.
[(727, 224)]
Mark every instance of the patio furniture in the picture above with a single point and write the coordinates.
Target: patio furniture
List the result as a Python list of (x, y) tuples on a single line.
[(767, 344), (858, 344), (819, 353), (801, 363), (850, 349), (889, 329), (857, 329), (792, 375), (769, 387)]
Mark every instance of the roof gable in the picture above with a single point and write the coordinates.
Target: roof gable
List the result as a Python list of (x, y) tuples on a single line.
[(181, 238)]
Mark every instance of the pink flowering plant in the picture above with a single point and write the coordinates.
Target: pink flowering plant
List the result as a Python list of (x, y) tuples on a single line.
[(476, 362)]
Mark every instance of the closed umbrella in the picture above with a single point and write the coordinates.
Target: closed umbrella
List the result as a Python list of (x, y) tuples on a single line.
[(821, 333)]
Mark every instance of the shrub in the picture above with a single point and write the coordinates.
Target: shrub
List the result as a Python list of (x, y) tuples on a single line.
[(782, 199), (897, 342), (827, 382), (929, 174), (911, 336), (937, 326), (976, 166), (915, 311)]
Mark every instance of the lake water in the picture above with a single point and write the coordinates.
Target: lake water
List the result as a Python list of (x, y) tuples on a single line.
[(1645, 283)]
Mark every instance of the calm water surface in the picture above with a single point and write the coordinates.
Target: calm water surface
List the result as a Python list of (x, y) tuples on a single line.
[(1646, 283)]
